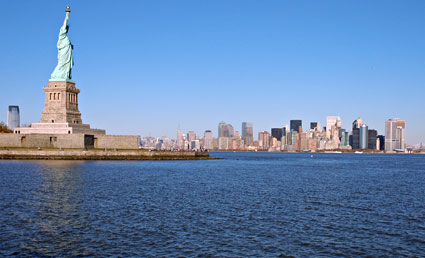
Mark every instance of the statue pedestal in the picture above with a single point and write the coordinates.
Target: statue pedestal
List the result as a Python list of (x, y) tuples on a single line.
[(60, 114), (61, 103)]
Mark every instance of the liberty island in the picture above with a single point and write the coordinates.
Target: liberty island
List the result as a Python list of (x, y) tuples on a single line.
[(61, 126)]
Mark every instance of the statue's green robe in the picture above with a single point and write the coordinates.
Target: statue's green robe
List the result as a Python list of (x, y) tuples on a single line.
[(63, 69)]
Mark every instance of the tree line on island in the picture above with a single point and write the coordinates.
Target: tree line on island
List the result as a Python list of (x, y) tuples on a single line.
[(4, 128)]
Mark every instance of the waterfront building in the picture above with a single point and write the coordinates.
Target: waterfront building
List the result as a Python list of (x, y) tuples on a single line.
[(264, 140), (395, 134), (288, 138), (401, 135), (295, 125), (13, 117), (371, 139), (381, 145), (304, 137), (363, 140), (215, 143), (294, 140), (224, 142), (355, 137), (236, 143), (344, 138), (208, 140), (248, 133), (277, 133)]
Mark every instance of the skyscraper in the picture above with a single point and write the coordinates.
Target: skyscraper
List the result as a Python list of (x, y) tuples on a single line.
[(248, 133), (395, 134), (295, 125), (355, 137), (208, 140), (372, 136), (264, 140), (363, 140), (179, 140), (313, 125), (221, 129), (229, 131), (381, 142), (277, 133), (344, 138), (13, 119)]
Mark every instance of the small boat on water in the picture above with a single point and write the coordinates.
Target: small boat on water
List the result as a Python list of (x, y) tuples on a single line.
[(358, 152)]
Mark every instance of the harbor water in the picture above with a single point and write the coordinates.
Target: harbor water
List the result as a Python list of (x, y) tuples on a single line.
[(243, 205)]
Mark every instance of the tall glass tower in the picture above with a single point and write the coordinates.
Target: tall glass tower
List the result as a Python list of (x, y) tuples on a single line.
[(13, 117), (363, 142), (248, 133)]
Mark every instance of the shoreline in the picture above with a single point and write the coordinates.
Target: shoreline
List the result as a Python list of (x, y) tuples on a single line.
[(72, 154), (322, 152)]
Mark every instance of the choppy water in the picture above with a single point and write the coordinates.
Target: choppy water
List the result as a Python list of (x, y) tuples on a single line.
[(246, 205)]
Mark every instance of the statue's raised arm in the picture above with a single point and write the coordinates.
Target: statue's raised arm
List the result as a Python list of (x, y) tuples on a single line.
[(63, 69), (65, 22)]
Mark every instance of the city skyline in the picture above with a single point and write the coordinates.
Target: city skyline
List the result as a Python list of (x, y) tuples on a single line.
[(294, 138), (196, 64)]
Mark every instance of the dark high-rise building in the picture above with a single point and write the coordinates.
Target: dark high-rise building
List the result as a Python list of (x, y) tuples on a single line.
[(355, 137), (313, 125), (355, 144), (277, 133), (284, 131), (295, 125), (372, 135), (248, 133), (381, 142)]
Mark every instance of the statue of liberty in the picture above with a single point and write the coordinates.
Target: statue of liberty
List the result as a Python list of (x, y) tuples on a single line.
[(63, 69)]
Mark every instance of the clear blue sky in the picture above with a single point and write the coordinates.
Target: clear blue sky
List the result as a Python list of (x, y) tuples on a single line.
[(145, 67)]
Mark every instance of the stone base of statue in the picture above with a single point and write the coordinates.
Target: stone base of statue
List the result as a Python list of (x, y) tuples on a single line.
[(60, 114), (61, 103)]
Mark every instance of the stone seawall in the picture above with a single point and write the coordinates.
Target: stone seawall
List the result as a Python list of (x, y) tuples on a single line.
[(26, 154)]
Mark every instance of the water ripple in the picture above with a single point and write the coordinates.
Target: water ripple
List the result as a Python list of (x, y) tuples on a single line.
[(246, 205)]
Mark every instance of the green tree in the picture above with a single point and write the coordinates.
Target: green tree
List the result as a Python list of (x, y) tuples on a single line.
[(4, 128)]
